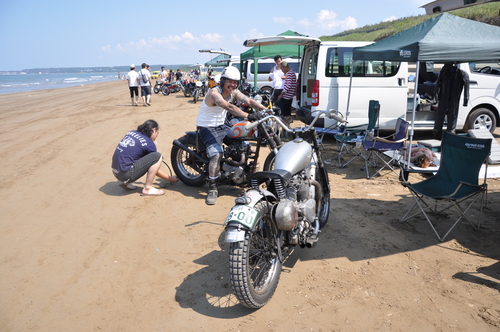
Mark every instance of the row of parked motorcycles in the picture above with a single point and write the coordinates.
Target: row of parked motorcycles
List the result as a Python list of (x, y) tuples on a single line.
[(194, 87), (283, 205)]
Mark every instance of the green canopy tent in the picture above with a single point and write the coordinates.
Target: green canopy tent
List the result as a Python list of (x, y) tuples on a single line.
[(441, 39), (219, 61), (269, 51)]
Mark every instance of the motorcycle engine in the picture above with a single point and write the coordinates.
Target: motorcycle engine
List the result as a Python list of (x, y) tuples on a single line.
[(300, 204), (236, 152)]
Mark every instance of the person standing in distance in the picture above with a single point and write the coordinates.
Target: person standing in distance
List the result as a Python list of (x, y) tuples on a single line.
[(286, 97), (145, 79), (133, 84), (162, 76), (211, 118), (276, 76)]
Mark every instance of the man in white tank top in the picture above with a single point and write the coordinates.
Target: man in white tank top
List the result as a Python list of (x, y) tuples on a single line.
[(211, 118)]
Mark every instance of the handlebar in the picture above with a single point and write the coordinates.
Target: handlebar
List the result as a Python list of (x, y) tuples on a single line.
[(332, 114)]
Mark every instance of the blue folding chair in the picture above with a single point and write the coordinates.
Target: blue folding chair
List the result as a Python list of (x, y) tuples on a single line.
[(375, 148)]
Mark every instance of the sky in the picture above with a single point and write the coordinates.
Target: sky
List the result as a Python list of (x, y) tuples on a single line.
[(91, 33)]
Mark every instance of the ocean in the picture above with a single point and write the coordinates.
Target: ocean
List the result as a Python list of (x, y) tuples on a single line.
[(30, 82)]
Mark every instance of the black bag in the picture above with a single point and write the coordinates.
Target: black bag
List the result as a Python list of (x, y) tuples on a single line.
[(144, 77)]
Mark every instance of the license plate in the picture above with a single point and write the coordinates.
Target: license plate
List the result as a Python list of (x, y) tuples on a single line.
[(245, 215)]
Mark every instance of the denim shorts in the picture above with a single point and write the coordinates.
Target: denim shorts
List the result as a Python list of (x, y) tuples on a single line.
[(212, 137), (145, 90), (139, 168)]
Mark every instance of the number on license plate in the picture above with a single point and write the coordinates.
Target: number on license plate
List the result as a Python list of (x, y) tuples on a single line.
[(245, 215)]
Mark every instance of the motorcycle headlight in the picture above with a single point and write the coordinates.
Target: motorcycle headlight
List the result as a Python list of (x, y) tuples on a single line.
[(258, 98)]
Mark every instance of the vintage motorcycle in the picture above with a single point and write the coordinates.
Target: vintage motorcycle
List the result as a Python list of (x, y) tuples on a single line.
[(198, 91), (287, 205), (190, 161), (169, 88), (158, 86)]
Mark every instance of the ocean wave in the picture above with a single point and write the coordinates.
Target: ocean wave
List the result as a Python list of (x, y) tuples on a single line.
[(20, 83)]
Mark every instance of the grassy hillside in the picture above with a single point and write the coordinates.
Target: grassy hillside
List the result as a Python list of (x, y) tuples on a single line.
[(487, 13)]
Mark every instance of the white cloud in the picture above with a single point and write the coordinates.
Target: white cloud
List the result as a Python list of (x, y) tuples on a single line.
[(325, 22), (389, 19), (283, 20), (253, 33), (212, 37)]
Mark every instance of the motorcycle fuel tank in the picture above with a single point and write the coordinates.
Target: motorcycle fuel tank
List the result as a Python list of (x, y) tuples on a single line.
[(294, 156)]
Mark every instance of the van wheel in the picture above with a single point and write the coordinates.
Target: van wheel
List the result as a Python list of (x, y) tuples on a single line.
[(481, 118)]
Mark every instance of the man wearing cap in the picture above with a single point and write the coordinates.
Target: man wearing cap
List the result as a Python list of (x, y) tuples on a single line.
[(133, 84)]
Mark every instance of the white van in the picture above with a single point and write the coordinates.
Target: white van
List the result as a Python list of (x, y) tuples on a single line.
[(264, 68), (325, 76)]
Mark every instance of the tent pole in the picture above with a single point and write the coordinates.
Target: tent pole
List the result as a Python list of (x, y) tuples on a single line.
[(255, 73), (412, 126), (349, 92)]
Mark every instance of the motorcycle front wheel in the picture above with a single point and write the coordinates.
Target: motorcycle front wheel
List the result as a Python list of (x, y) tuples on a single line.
[(185, 165), (254, 266), (186, 93), (165, 90), (156, 89)]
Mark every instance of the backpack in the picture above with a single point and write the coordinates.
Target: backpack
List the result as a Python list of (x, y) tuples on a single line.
[(144, 77)]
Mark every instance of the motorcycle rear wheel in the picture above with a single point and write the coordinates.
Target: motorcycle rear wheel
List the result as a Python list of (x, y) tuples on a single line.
[(324, 209), (254, 266), (183, 163)]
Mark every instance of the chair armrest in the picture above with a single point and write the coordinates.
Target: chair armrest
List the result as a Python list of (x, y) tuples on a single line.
[(381, 139)]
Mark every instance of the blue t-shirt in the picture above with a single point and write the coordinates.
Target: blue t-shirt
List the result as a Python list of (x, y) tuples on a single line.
[(132, 147)]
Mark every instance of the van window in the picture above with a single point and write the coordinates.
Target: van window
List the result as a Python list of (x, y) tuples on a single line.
[(339, 63), (312, 64), (265, 68)]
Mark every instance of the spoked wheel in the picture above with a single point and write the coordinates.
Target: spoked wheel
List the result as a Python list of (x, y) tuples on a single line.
[(254, 266), (185, 165), (324, 209), (165, 90)]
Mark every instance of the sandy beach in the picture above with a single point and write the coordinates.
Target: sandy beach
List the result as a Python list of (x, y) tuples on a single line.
[(81, 254)]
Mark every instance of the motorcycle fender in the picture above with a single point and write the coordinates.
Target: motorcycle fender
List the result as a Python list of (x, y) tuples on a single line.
[(235, 233), (243, 217), (253, 196)]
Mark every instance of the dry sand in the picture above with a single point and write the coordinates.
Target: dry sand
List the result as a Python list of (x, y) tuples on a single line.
[(80, 254)]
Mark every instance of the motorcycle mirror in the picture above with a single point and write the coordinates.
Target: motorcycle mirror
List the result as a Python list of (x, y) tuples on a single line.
[(332, 114)]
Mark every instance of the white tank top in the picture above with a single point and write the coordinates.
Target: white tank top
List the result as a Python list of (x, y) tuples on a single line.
[(212, 116)]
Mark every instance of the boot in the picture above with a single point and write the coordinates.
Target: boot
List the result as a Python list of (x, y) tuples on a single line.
[(212, 193)]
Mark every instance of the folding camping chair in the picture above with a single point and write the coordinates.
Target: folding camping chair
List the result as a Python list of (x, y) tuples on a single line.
[(321, 132), (455, 182), (351, 139), (376, 148)]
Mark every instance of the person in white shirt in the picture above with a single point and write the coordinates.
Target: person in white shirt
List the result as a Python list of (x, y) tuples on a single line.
[(133, 84), (211, 118), (276, 76), (162, 76), (145, 80)]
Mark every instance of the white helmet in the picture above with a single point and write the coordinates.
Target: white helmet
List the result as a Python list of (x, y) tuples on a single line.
[(231, 73)]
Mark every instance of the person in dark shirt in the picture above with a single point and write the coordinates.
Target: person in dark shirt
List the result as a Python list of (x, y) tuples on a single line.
[(136, 155)]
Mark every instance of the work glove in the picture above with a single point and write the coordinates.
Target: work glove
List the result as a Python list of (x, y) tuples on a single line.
[(254, 116)]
